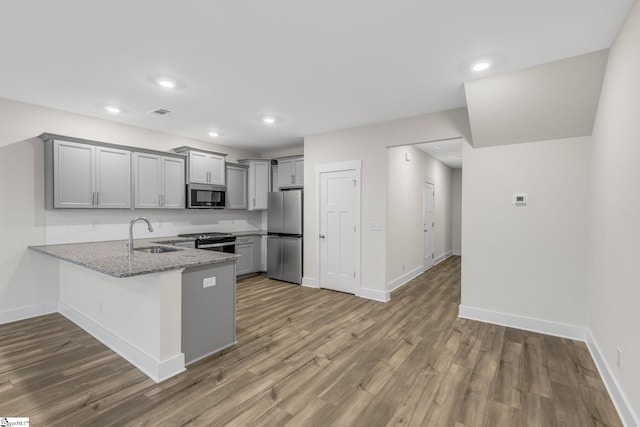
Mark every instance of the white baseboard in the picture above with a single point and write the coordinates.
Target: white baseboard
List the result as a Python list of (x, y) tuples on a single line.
[(28, 312), (457, 252), (439, 259), (156, 370), (620, 401), (404, 279), (557, 329), (310, 282), (382, 296)]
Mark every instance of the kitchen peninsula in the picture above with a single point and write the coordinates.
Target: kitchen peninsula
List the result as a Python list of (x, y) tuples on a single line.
[(137, 306)]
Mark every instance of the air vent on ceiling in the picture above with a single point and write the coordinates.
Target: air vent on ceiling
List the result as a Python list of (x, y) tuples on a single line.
[(161, 111)]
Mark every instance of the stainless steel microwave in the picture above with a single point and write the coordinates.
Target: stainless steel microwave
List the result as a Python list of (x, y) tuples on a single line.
[(203, 196)]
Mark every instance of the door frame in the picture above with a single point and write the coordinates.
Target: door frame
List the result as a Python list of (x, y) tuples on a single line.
[(353, 165), (431, 181)]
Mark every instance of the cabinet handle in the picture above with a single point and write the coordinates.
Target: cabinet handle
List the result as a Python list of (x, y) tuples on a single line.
[(159, 200), (93, 198), (254, 202), (162, 198), (97, 198), (209, 177)]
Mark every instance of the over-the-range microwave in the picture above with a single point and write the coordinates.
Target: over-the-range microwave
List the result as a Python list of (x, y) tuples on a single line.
[(204, 196)]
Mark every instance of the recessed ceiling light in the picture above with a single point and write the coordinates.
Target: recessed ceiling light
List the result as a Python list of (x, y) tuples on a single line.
[(112, 109), (166, 83), (269, 120), (439, 146), (480, 66), (214, 134)]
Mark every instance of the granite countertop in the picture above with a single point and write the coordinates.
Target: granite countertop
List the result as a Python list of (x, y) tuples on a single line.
[(112, 257), (249, 233)]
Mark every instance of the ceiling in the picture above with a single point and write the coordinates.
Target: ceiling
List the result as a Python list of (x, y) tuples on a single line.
[(448, 152), (316, 65)]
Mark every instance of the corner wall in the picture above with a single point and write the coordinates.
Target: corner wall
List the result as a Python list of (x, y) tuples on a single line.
[(527, 261), (614, 285)]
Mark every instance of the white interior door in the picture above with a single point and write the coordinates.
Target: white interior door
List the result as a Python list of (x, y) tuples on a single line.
[(428, 223), (337, 230)]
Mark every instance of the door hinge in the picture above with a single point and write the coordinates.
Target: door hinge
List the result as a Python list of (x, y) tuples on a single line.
[(433, 224), (432, 256), (354, 274), (354, 182)]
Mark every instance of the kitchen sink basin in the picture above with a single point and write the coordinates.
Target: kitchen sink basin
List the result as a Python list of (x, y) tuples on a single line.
[(156, 249)]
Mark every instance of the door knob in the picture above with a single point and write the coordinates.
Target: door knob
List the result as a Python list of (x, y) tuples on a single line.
[(322, 236)]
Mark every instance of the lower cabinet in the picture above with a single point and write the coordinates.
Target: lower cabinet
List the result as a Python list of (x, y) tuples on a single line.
[(208, 310), (248, 247)]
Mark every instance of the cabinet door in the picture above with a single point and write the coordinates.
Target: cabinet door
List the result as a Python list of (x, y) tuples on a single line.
[(173, 185), (298, 166), (244, 264), (285, 173), (236, 187), (199, 167), (147, 170), (113, 178), (216, 170), (260, 183), (74, 175)]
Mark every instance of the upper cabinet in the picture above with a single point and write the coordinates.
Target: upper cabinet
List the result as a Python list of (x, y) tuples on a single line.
[(204, 167), (158, 181), (291, 172), (237, 186), (80, 175), (259, 183)]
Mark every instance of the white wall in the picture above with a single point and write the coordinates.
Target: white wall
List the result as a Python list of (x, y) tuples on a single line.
[(25, 278), (456, 211), (615, 212), (405, 237), (549, 101), (369, 144), (527, 261)]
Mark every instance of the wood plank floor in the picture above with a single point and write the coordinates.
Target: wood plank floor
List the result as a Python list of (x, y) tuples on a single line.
[(309, 357)]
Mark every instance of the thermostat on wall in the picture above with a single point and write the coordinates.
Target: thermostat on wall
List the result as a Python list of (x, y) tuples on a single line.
[(519, 199)]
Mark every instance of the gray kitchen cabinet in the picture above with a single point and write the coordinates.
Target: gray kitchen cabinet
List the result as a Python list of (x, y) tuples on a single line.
[(208, 310), (291, 172), (259, 182), (87, 176), (158, 181), (204, 167), (248, 247), (236, 197)]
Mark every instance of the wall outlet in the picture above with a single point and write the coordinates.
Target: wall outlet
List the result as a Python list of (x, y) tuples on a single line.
[(375, 226), (208, 282), (619, 357)]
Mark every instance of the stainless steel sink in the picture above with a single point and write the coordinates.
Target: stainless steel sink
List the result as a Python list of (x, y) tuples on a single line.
[(156, 249)]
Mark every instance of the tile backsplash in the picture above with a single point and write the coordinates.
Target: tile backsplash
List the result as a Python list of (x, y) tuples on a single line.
[(92, 225)]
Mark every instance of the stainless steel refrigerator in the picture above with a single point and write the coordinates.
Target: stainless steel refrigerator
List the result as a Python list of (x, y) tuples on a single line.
[(284, 240)]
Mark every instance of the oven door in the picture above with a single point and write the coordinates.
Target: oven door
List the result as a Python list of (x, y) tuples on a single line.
[(228, 247)]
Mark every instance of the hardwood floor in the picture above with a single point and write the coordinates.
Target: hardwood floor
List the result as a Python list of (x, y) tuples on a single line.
[(314, 357)]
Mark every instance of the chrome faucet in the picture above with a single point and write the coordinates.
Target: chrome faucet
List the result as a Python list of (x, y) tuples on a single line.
[(131, 232)]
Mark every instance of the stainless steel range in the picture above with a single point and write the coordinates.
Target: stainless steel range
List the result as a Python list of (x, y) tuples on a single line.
[(214, 241)]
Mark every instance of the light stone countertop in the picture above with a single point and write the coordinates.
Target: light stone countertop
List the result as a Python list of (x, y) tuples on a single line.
[(112, 257), (249, 233)]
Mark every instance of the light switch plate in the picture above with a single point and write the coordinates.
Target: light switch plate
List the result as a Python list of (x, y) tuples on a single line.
[(375, 226), (208, 282)]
